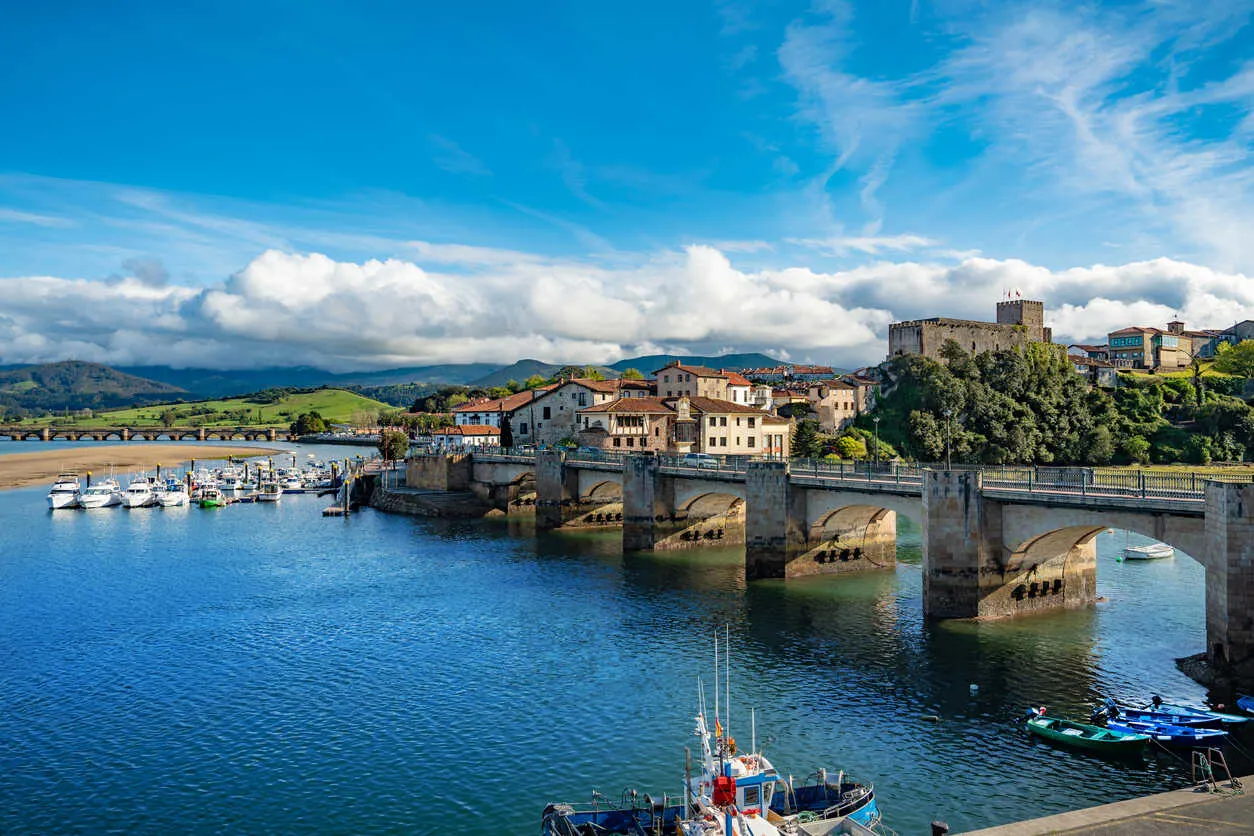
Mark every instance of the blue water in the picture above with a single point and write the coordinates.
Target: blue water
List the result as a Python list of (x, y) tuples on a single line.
[(263, 669)]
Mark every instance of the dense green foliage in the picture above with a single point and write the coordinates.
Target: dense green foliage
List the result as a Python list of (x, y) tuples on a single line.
[(393, 445), (309, 423), (1029, 406), (1236, 359)]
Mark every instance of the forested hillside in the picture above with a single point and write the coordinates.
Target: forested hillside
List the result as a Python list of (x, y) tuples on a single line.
[(1030, 407)]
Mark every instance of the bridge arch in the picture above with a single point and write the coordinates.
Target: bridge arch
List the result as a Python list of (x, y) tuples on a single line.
[(605, 491)]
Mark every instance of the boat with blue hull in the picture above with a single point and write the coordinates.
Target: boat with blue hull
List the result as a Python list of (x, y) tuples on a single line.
[(733, 793), (1246, 704), (1170, 718), (1170, 735), (1215, 717)]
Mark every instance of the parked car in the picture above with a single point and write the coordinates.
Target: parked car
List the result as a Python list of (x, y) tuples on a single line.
[(701, 460), (589, 452)]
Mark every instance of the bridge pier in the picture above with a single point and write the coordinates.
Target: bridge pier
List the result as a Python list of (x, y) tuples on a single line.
[(775, 513), (1229, 538), (45, 434), (557, 490), (640, 488), (961, 540)]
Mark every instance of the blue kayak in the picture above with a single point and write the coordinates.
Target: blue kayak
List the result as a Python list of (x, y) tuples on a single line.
[(1246, 704), (1196, 711), (1169, 718), (1170, 735)]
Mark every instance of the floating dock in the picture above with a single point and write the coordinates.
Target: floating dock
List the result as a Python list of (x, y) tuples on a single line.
[(1227, 811)]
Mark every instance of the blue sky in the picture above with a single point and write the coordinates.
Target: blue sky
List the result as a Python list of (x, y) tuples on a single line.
[(580, 181)]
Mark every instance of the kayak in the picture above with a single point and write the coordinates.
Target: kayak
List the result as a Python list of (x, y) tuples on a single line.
[(1194, 711), (1094, 738), (1168, 734), (1168, 718)]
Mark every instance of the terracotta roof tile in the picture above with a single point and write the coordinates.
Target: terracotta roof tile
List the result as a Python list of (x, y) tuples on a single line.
[(469, 429)]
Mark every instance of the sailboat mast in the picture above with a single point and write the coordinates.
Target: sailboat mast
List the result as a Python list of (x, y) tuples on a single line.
[(716, 674), (727, 678)]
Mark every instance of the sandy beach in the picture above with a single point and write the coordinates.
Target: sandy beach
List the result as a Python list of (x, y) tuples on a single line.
[(17, 470)]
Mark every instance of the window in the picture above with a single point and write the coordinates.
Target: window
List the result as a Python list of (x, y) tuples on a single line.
[(657, 430), (751, 441), (666, 378), (737, 420), (722, 442), (548, 413), (583, 398), (522, 428), (713, 421), (722, 422), (618, 442)]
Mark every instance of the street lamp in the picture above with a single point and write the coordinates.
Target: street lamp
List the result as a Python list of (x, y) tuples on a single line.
[(876, 421), (948, 460)]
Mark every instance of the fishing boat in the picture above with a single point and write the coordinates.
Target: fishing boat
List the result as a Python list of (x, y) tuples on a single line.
[(1170, 735), (734, 793), (1083, 736), (270, 492), (104, 494), (1169, 718), (1153, 551), (138, 493), (211, 497), (65, 491), (1215, 717)]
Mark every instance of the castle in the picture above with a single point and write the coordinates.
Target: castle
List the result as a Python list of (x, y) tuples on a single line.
[(1019, 322)]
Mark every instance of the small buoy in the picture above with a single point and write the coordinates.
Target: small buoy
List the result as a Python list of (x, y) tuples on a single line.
[(930, 718), (974, 687)]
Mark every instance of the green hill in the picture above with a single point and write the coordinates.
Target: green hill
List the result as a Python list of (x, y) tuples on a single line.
[(271, 408), (75, 385)]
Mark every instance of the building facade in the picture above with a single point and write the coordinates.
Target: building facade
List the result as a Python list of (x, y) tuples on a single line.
[(1136, 347), (682, 425), (1019, 323)]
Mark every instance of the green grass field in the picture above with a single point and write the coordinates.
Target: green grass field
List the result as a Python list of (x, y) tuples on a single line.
[(335, 405)]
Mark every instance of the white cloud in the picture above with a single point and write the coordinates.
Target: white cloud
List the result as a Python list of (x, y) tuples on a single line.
[(14, 216), (869, 244), (456, 160), (454, 303)]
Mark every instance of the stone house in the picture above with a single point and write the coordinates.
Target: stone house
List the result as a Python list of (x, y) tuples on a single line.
[(1098, 372), (835, 402), (676, 380), (739, 387), (549, 418), (1136, 347), (680, 425)]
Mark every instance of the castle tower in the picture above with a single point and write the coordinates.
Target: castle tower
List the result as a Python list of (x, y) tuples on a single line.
[(1024, 312)]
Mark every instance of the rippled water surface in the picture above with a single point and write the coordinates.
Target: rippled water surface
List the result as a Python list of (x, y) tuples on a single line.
[(262, 669)]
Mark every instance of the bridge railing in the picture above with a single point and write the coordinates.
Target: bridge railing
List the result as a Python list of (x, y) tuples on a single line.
[(1120, 482), (863, 471)]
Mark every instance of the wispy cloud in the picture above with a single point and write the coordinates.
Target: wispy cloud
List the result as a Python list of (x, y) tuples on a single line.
[(456, 160), (868, 244), (574, 174), (14, 216)]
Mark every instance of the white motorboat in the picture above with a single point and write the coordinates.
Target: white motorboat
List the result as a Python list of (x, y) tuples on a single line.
[(138, 494), (1154, 551), (65, 492), (173, 495), (270, 492), (103, 494)]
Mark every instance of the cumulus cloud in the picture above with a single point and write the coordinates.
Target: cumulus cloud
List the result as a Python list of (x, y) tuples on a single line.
[(458, 304)]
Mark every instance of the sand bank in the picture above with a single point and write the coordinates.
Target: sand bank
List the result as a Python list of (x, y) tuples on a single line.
[(17, 470)]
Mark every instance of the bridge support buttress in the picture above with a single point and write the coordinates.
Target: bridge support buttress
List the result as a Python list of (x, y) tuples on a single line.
[(640, 488), (557, 491), (775, 513), (1230, 580)]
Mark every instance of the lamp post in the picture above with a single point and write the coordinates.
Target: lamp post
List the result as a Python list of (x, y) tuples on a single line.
[(948, 460), (876, 421)]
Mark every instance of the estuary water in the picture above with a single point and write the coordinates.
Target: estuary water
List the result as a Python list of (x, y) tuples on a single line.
[(263, 669)]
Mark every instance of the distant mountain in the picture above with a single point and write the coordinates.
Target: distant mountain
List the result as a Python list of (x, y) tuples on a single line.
[(216, 383), (648, 364), (75, 385), (524, 369)]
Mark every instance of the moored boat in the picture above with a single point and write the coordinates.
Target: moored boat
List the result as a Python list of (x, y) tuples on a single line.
[(65, 492), (1246, 704), (104, 494), (1200, 712), (1169, 718), (1084, 736), (173, 495), (211, 497), (1170, 735), (138, 493), (1153, 551), (270, 492)]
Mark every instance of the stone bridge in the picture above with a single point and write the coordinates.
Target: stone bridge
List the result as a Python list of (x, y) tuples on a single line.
[(996, 542), (20, 433)]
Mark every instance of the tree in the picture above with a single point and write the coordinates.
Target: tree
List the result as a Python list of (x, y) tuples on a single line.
[(507, 433), (393, 445), (1235, 359), (632, 374), (1137, 449), (169, 417), (535, 382), (850, 447), (805, 440), (309, 423)]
